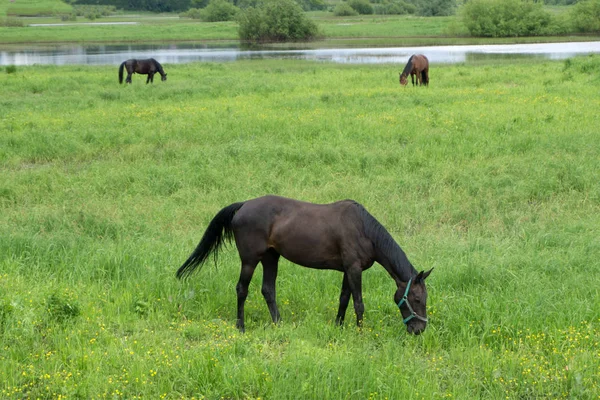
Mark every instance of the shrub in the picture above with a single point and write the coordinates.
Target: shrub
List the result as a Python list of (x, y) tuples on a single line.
[(361, 6), (68, 17), (219, 10), (502, 18), (344, 10), (96, 11), (11, 69), (395, 8), (312, 5), (436, 8), (198, 3), (194, 13), (12, 23), (276, 21), (585, 16)]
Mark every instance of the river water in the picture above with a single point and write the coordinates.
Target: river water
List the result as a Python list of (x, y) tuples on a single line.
[(187, 53)]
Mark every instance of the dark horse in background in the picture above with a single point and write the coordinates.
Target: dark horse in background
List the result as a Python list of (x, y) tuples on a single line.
[(147, 67), (417, 65), (340, 236)]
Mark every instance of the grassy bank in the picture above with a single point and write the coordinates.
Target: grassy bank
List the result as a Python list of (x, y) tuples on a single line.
[(34, 8), (374, 30), (489, 175)]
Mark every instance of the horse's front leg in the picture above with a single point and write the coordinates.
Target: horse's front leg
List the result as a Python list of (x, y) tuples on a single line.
[(269, 262), (344, 300), (248, 268), (149, 78), (412, 78), (354, 274)]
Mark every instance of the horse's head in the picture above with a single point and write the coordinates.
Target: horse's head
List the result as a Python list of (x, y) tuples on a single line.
[(411, 298), (403, 80), (163, 77)]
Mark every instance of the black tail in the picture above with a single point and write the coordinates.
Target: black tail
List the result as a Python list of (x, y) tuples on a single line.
[(425, 78), (121, 71), (219, 230)]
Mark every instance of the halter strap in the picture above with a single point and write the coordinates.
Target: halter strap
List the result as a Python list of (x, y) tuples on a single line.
[(404, 300)]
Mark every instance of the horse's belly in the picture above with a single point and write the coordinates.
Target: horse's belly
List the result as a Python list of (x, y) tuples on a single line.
[(314, 262), (309, 252)]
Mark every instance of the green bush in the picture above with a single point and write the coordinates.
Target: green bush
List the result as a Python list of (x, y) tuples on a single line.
[(361, 6), (219, 10), (344, 10), (436, 8), (11, 69), (312, 5), (12, 23), (394, 8), (276, 21), (585, 16), (194, 13), (198, 3), (503, 18), (68, 17), (97, 11)]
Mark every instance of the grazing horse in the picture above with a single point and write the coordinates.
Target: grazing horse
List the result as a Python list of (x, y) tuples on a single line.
[(340, 236), (417, 65), (147, 67)]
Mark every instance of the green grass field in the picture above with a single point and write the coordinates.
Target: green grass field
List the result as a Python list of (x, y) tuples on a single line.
[(490, 176), (34, 7)]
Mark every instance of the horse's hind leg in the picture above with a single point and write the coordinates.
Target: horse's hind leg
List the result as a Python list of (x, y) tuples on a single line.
[(248, 267), (354, 273), (344, 300), (129, 73), (270, 265)]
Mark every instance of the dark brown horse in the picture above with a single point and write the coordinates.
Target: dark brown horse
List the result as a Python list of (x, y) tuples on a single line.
[(417, 65), (341, 236), (147, 67)]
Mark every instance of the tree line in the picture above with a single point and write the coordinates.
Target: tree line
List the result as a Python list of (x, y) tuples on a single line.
[(285, 20), (427, 7)]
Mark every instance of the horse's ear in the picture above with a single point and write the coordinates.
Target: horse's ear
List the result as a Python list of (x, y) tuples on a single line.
[(426, 274), (423, 275)]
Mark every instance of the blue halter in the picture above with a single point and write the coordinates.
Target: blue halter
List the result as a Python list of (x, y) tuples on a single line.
[(404, 299)]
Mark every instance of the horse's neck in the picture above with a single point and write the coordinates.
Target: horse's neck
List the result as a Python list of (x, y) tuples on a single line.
[(395, 262), (409, 67), (159, 68)]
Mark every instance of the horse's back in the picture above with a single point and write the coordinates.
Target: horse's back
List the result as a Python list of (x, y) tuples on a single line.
[(421, 61), (267, 208), (305, 233)]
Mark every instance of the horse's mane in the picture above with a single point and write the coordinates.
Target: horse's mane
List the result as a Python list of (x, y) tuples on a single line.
[(409, 66), (157, 64), (386, 244)]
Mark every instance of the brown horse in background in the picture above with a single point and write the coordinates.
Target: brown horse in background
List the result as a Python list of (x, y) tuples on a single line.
[(146, 67), (417, 65), (340, 236)]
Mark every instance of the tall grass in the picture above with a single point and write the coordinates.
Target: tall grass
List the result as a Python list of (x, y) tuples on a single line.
[(489, 175)]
